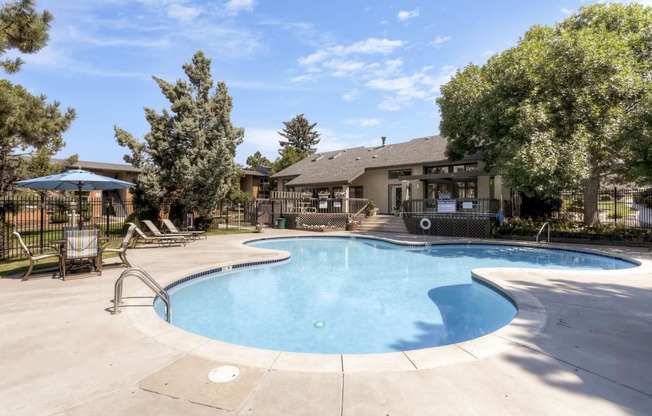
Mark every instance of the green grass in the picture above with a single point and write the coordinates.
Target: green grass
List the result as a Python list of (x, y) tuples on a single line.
[(9, 268), (12, 267)]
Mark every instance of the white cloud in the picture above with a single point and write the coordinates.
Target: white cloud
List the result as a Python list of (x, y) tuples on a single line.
[(182, 13), (567, 11), (368, 46), (341, 68), (329, 140), (351, 95), (236, 6), (265, 140), (439, 40), (404, 15), (303, 78), (362, 122), (403, 90)]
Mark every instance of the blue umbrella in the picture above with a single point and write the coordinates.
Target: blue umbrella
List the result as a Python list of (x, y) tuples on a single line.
[(74, 180)]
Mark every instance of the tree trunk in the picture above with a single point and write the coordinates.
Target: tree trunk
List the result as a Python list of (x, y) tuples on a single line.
[(591, 193)]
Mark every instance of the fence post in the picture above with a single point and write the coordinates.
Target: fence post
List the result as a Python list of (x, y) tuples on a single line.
[(615, 205), (108, 205)]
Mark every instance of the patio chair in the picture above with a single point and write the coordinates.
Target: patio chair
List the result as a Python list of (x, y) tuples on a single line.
[(161, 240), (174, 230), (34, 258), (82, 249), (122, 250)]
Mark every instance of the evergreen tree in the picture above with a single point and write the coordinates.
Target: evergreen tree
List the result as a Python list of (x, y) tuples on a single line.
[(257, 160), (26, 121), (22, 28), (300, 135), (187, 158)]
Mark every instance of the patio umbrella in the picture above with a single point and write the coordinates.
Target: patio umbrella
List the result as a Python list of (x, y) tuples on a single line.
[(74, 180)]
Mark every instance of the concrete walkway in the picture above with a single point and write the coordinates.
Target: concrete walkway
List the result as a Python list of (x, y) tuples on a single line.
[(63, 352)]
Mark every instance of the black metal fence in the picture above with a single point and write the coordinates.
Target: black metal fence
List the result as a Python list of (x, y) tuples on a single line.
[(40, 220), (616, 206)]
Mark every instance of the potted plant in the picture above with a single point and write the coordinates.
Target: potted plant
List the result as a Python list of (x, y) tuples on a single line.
[(398, 209), (372, 209), (352, 225)]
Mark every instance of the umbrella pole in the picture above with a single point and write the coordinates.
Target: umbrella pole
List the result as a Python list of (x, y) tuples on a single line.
[(42, 217)]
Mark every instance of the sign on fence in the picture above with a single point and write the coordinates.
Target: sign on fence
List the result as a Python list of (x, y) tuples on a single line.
[(446, 205)]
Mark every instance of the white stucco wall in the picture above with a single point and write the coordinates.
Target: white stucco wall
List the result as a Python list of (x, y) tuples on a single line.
[(376, 185)]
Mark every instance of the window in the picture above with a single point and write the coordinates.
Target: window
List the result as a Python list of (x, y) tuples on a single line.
[(355, 192), (263, 187), (466, 189), (433, 170), (397, 173), (439, 191), (469, 167)]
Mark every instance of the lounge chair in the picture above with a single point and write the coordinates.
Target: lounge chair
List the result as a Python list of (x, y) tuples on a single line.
[(174, 230), (82, 250), (34, 258), (155, 231), (161, 240), (122, 250)]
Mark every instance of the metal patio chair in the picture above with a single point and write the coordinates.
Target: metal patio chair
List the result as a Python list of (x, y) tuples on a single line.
[(33, 258)]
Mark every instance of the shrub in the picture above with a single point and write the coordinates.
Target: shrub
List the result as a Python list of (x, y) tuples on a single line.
[(59, 218), (573, 229)]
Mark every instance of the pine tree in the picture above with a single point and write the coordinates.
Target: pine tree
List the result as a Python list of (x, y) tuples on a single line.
[(300, 135), (26, 121), (187, 158)]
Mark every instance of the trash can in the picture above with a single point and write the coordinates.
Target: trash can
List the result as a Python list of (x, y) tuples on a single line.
[(280, 223)]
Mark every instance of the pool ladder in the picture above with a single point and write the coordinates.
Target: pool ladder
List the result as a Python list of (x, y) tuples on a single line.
[(545, 224), (149, 282)]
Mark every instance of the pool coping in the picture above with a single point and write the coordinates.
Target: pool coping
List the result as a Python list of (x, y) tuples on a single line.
[(530, 320)]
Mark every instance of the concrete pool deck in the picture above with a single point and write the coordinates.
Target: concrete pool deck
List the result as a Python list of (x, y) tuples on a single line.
[(64, 353)]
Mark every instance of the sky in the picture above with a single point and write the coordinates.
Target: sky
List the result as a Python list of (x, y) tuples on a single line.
[(359, 69)]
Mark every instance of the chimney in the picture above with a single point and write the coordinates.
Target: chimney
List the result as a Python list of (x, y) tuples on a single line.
[(383, 139)]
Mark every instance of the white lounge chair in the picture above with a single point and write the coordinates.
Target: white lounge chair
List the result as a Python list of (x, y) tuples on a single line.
[(161, 240), (155, 231), (174, 230)]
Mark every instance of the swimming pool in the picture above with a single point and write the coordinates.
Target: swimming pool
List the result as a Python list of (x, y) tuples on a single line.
[(345, 295)]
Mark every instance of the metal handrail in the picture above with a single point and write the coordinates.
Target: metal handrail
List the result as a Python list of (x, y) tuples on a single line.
[(149, 282), (541, 230)]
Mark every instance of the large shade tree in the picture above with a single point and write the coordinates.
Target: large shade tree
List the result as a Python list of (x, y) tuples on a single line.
[(563, 107), (187, 158), (27, 122)]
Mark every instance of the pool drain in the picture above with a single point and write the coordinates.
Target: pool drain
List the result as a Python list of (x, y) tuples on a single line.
[(319, 324), (223, 374)]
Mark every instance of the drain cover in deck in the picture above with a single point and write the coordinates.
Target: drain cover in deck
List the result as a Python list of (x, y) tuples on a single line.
[(223, 374)]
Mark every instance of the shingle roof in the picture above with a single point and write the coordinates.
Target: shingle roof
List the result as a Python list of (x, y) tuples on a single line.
[(119, 167), (343, 166)]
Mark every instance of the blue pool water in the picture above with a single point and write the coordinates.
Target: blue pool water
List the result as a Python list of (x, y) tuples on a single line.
[(342, 295)]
